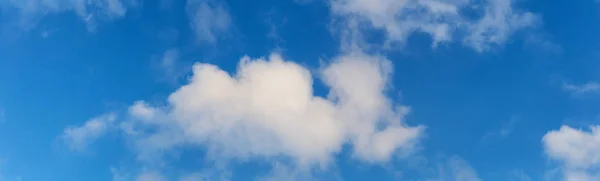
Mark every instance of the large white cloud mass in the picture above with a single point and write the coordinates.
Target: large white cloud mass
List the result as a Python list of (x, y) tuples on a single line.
[(268, 109), (578, 151)]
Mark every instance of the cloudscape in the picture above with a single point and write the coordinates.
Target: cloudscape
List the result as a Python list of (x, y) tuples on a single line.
[(299, 90)]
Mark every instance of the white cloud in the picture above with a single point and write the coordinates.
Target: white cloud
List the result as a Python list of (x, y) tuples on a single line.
[(505, 131), (169, 59), (90, 11), (171, 67), (142, 111), (151, 176), (462, 171), (441, 19), (577, 150), (499, 22), (456, 169), (206, 176), (519, 175), (117, 175), (580, 176), (209, 20), (193, 177), (78, 138), (268, 110), (590, 87), (282, 172)]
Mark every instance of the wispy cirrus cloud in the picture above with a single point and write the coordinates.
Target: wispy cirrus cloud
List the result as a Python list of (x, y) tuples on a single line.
[(79, 137), (151, 176), (505, 130), (589, 87), (30, 12), (455, 169), (209, 20), (443, 20), (172, 67)]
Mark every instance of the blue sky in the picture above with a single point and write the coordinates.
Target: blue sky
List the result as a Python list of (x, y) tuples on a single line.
[(191, 90)]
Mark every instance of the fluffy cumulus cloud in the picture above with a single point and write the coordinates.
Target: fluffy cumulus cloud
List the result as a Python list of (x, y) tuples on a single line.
[(90, 11), (208, 19), (79, 137), (489, 22), (578, 151), (268, 109)]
